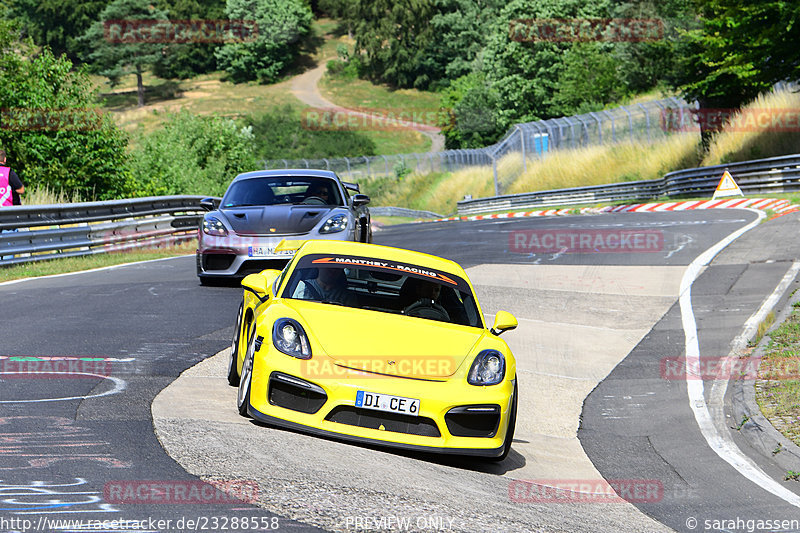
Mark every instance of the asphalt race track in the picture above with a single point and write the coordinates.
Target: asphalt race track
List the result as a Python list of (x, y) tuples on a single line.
[(595, 324)]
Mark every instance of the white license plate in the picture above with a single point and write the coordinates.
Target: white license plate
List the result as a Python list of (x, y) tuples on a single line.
[(260, 251), (386, 402)]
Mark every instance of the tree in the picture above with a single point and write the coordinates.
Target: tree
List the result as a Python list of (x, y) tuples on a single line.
[(184, 60), (741, 50), (472, 110), (393, 36), (191, 154), (460, 30), (281, 25), (592, 77), (57, 24), (344, 10), (53, 131), (121, 45), (524, 68)]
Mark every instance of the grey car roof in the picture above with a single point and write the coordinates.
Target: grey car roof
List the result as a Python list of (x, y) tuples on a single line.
[(304, 172)]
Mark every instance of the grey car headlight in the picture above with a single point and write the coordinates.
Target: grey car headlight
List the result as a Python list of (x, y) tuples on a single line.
[(489, 368), (213, 226), (334, 224)]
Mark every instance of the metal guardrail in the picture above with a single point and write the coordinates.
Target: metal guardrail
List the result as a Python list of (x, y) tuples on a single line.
[(762, 176), (402, 212), (39, 232)]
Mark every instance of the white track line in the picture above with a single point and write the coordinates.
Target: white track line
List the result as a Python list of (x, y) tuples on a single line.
[(723, 446), (717, 396), (98, 269)]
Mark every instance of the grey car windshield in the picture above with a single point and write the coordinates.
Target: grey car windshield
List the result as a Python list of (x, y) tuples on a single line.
[(282, 190)]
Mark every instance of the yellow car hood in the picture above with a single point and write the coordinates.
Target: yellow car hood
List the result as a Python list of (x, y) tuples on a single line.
[(386, 343)]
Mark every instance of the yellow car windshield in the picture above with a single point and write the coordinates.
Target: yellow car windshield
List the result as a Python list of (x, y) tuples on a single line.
[(384, 286)]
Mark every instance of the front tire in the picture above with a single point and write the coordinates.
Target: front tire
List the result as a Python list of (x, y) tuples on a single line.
[(512, 424), (243, 396), (233, 372)]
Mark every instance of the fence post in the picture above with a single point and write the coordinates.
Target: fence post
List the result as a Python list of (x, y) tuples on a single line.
[(647, 120), (494, 172), (522, 143), (613, 126), (386, 164), (327, 164), (599, 127), (571, 131), (369, 172), (630, 120)]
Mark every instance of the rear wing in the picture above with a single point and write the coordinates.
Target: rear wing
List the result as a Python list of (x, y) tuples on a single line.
[(351, 186)]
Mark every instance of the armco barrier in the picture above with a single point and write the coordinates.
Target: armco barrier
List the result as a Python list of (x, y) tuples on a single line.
[(763, 176), (38, 232)]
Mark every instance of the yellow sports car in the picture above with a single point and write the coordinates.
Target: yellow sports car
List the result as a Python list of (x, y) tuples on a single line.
[(375, 345)]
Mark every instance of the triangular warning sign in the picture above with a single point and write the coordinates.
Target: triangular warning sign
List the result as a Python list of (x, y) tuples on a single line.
[(727, 187)]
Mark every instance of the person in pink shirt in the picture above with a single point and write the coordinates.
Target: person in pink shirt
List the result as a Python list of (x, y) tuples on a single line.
[(11, 186)]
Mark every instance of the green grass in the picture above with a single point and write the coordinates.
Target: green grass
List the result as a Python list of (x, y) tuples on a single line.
[(77, 264), (359, 94), (778, 386)]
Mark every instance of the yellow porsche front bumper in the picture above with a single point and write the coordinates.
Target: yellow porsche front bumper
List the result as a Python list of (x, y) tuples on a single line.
[(452, 417)]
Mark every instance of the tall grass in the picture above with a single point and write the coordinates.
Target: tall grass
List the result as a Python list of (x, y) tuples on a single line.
[(744, 139), (41, 195), (595, 165), (598, 165)]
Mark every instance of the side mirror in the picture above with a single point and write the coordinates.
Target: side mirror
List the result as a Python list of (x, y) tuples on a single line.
[(261, 284), (503, 321), (209, 204), (359, 200)]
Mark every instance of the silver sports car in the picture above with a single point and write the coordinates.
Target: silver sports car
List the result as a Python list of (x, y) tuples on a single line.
[(239, 233)]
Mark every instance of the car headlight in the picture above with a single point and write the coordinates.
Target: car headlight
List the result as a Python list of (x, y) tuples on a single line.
[(489, 368), (289, 337), (335, 224), (213, 226)]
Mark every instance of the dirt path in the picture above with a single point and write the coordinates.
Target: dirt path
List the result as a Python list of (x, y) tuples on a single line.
[(304, 88)]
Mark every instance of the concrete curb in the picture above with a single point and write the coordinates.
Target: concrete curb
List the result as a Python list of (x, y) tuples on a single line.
[(781, 206), (758, 430)]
